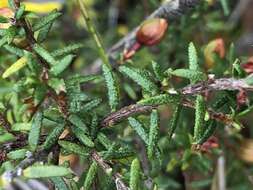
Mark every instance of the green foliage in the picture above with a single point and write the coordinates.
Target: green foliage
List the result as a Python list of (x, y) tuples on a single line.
[(20, 11), (53, 136), (54, 97), (66, 50), (193, 57), (174, 120), (192, 75), (139, 129), (209, 131), (141, 77), (34, 133), (153, 134), (45, 54), (112, 87), (17, 154), (158, 71), (45, 171), (225, 7), (135, 174), (161, 100), (59, 183), (59, 67), (44, 21), (74, 148), (90, 175), (199, 118), (19, 64)]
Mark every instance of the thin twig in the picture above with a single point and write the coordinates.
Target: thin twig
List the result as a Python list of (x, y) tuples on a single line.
[(199, 88), (94, 33), (217, 85), (135, 109)]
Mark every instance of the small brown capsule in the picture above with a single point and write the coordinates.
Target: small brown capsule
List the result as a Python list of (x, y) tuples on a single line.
[(152, 31)]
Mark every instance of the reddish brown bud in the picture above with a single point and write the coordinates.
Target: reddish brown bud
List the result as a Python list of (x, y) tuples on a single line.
[(248, 67), (7, 13), (215, 46), (242, 98), (152, 31)]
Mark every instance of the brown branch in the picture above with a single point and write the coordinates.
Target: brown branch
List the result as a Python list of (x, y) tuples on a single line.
[(217, 85), (171, 10), (124, 113), (199, 88)]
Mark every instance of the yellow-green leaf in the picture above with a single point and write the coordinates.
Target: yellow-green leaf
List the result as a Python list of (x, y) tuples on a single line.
[(19, 64)]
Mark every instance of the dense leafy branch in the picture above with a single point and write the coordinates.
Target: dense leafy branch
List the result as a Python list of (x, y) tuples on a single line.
[(63, 118)]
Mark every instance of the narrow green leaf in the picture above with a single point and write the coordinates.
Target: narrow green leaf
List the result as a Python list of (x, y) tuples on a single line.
[(112, 87), (117, 154), (209, 131), (67, 49), (139, 129), (44, 54), (20, 12), (52, 138), (82, 137), (94, 126), (91, 105), (78, 122), (129, 89), (193, 57), (79, 79), (3, 41), (17, 154), (193, 75), (45, 171), (74, 148), (14, 50), (140, 77), (158, 71), (231, 53), (11, 4), (225, 7), (153, 134), (19, 64), (43, 33), (40, 93), (11, 33), (199, 118), (90, 176), (34, 134), (21, 127), (135, 174), (106, 142), (174, 120), (61, 65), (59, 183), (161, 100), (49, 19)]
